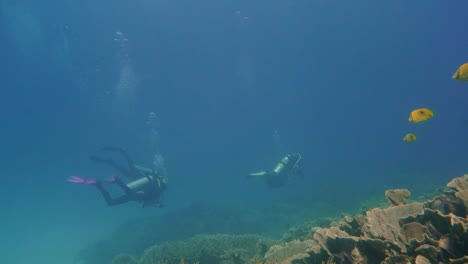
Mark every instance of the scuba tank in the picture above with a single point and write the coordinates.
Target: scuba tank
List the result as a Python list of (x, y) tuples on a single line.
[(140, 184), (278, 175), (280, 166), (287, 163), (150, 180)]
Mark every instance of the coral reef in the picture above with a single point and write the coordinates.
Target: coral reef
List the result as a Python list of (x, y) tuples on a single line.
[(432, 232), (124, 259), (209, 249), (134, 236), (460, 185), (293, 251), (398, 196), (303, 231)]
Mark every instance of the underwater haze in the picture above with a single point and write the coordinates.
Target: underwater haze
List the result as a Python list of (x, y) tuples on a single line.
[(336, 80)]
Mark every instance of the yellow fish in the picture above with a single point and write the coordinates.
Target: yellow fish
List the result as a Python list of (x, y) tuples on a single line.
[(462, 73), (409, 138), (420, 115)]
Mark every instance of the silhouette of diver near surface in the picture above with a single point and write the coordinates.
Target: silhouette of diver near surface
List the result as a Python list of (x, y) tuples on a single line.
[(147, 187), (287, 167)]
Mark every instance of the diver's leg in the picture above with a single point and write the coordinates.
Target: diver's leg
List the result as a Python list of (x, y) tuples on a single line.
[(120, 200), (159, 202), (113, 164), (133, 173), (109, 200), (124, 187)]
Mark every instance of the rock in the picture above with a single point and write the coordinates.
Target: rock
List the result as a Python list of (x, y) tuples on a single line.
[(397, 196)]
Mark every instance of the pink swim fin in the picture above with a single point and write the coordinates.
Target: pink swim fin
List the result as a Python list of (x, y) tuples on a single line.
[(76, 179)]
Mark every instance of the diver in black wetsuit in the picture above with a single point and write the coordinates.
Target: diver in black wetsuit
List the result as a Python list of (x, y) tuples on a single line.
[(287, 167), (147, 187)]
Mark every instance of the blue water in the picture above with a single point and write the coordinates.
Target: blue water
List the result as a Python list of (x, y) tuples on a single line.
[(336, 79)]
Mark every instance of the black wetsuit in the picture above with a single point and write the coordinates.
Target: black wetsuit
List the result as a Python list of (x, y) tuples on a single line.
[(275, 180), (149, 195)]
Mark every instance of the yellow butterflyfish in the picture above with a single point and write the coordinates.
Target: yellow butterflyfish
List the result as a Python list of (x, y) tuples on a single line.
[(409, 138), (462, 73), (420, 115)]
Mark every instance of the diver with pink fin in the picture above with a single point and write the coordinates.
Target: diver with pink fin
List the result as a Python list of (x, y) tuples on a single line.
[(146, 188), (146, 185)]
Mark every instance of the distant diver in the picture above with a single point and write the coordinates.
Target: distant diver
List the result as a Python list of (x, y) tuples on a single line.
[(287, 167), (146, 187)]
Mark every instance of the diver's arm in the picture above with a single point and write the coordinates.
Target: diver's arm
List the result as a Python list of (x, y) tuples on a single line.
[(133, 172), (153, 124), (144, 169), (113, 164)]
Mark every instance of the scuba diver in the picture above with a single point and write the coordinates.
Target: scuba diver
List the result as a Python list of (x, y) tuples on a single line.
[(287, 167), (146, 186)]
